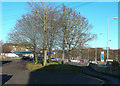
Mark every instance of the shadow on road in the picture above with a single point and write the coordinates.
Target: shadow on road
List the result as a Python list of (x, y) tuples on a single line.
[(4, 62), (5, 78)]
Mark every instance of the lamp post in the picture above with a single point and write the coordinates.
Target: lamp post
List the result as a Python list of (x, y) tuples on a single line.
[(108, 38)]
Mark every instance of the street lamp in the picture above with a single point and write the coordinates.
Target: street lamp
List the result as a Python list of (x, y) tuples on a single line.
[(108, 38)]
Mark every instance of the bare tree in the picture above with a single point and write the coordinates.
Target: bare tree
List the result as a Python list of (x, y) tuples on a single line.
[(75, 30), (53, 30), (6, 48), (46, 27), (1, 43), (44, 11), (25, 33)]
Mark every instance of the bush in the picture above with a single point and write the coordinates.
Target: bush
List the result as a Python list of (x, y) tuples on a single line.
[(115, 63)]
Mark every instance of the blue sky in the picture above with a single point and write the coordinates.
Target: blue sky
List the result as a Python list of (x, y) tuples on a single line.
[(96, 12)]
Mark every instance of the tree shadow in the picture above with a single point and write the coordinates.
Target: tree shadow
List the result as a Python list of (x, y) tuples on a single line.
[(57, 74), (46, 75), (5, 78), (4, 62)]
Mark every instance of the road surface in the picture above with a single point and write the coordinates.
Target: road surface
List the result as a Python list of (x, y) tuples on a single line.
[(19, 75)]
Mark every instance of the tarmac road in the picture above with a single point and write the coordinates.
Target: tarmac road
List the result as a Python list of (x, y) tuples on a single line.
[(19, 75)]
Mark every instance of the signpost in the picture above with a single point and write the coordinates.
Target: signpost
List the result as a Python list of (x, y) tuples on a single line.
[(102, 56)]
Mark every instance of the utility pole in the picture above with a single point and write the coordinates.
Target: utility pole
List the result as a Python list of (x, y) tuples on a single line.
[(108, 38)]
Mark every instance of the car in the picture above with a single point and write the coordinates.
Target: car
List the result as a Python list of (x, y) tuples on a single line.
[(54, 59), (11, 55), (82, 61), (39, 58), (27, 58), (76, 61), (94, 62)]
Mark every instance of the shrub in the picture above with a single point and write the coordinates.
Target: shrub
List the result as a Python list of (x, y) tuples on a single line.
[(115, 63)]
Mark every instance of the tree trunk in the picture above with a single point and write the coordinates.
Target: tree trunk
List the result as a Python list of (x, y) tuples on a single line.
[(45, 36), (63, 53), (69, 53), (35, 57), (63, 56), (49, 57), (50, 49), (45, 49)]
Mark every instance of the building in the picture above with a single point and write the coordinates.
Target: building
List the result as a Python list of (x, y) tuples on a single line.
[(14, 48)]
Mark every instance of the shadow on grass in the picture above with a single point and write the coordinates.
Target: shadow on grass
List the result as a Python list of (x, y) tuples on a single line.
[(54, 73), (60, 74), (60, 67)]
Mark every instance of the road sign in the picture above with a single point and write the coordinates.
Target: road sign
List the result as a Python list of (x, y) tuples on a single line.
[(102, 56)]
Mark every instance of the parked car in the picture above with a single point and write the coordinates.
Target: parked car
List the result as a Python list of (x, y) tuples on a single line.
[(82, 61), (40, 57), (9, 54), (27, 58), (54, 59), (91, 61), (76, 61)]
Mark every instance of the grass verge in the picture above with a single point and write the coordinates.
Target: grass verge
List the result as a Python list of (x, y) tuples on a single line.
[(53, 66), (108, 71)]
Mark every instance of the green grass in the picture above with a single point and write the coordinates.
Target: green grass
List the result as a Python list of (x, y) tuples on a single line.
[(53, 66), (101, 62), (60, 67), (32, 66)]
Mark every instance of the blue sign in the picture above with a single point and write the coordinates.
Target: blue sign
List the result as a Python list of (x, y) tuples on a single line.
[(27, 52), (21, 51), (102, 56)]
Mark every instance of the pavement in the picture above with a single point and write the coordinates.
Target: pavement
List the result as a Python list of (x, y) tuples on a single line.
[(11, 69), (89, 71), (17, 74)]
